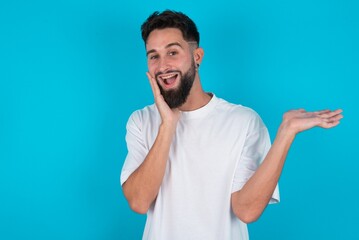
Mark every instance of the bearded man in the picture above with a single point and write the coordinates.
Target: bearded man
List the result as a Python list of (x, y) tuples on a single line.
[(199, 166)]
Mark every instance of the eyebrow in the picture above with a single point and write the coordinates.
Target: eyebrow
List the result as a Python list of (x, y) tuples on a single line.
[(167, 46)]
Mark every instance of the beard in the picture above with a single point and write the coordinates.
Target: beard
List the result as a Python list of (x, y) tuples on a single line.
[(177, 97)]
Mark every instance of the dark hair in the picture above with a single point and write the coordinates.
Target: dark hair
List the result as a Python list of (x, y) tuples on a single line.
[(170, 19)]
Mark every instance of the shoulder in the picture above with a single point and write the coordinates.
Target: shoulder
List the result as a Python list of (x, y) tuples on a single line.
[(239, 113), (236, 110), (145, 114)]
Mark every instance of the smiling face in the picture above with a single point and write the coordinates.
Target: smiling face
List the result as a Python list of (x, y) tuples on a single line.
[(171, 61)]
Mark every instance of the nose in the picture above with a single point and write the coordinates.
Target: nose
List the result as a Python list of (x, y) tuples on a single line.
[(163, 65)]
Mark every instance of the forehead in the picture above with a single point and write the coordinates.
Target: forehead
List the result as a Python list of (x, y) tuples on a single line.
[(160, 38)]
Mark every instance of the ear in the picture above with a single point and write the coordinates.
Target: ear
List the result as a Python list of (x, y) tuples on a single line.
[(198, 54)]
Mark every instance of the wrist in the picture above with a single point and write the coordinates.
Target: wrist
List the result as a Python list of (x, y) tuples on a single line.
[(286, 131), (168, 127)]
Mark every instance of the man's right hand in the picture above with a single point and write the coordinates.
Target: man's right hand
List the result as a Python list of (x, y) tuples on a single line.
[(142, 186), (169, 116)]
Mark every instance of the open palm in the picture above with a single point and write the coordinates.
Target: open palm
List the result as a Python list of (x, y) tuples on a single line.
[(301, 120)]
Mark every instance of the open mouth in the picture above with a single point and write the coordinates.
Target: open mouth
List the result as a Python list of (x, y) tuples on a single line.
[(169, 80)]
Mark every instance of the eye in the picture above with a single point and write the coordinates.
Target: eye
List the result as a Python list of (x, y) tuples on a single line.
[(153, 57), (172, 53)]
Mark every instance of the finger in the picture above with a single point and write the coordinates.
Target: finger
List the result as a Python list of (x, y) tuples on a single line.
[(331, 113), (153, 83), (159, 100), (322, 111), (150, 80), (335, 118), (329, 124)]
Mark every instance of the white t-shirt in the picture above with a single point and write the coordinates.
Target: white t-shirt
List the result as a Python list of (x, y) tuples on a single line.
[(215, 150)]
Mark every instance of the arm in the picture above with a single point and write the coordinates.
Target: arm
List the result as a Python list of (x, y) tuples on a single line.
[(249, 203), (142, 186)]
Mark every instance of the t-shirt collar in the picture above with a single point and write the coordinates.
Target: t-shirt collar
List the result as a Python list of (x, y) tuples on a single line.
[(201, 112)]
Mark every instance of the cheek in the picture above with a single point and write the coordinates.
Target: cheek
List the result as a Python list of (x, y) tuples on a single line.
[(186, 66), (188, 62), (151, 68), (181, 64)]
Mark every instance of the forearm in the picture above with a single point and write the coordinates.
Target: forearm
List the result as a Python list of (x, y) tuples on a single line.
[(249, 203), (142, 187), (251, 200)]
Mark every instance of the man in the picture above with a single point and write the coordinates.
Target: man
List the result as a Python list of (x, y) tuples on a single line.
[(200, 167)]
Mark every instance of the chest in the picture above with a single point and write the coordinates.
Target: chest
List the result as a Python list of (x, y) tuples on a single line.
[(206, 151)]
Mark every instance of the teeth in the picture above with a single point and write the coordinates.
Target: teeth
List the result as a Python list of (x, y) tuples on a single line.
[(168, 76)]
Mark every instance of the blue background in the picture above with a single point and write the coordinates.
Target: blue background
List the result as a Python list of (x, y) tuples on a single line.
[(71, 73)]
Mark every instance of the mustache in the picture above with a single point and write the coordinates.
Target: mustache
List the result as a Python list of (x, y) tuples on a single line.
[(169, 71)]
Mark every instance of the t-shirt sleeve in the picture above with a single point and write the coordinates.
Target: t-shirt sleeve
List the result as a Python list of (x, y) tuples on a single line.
[(256, 147), (136, 147)]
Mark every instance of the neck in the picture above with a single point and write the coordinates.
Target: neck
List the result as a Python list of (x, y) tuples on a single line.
[(197, 98)]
